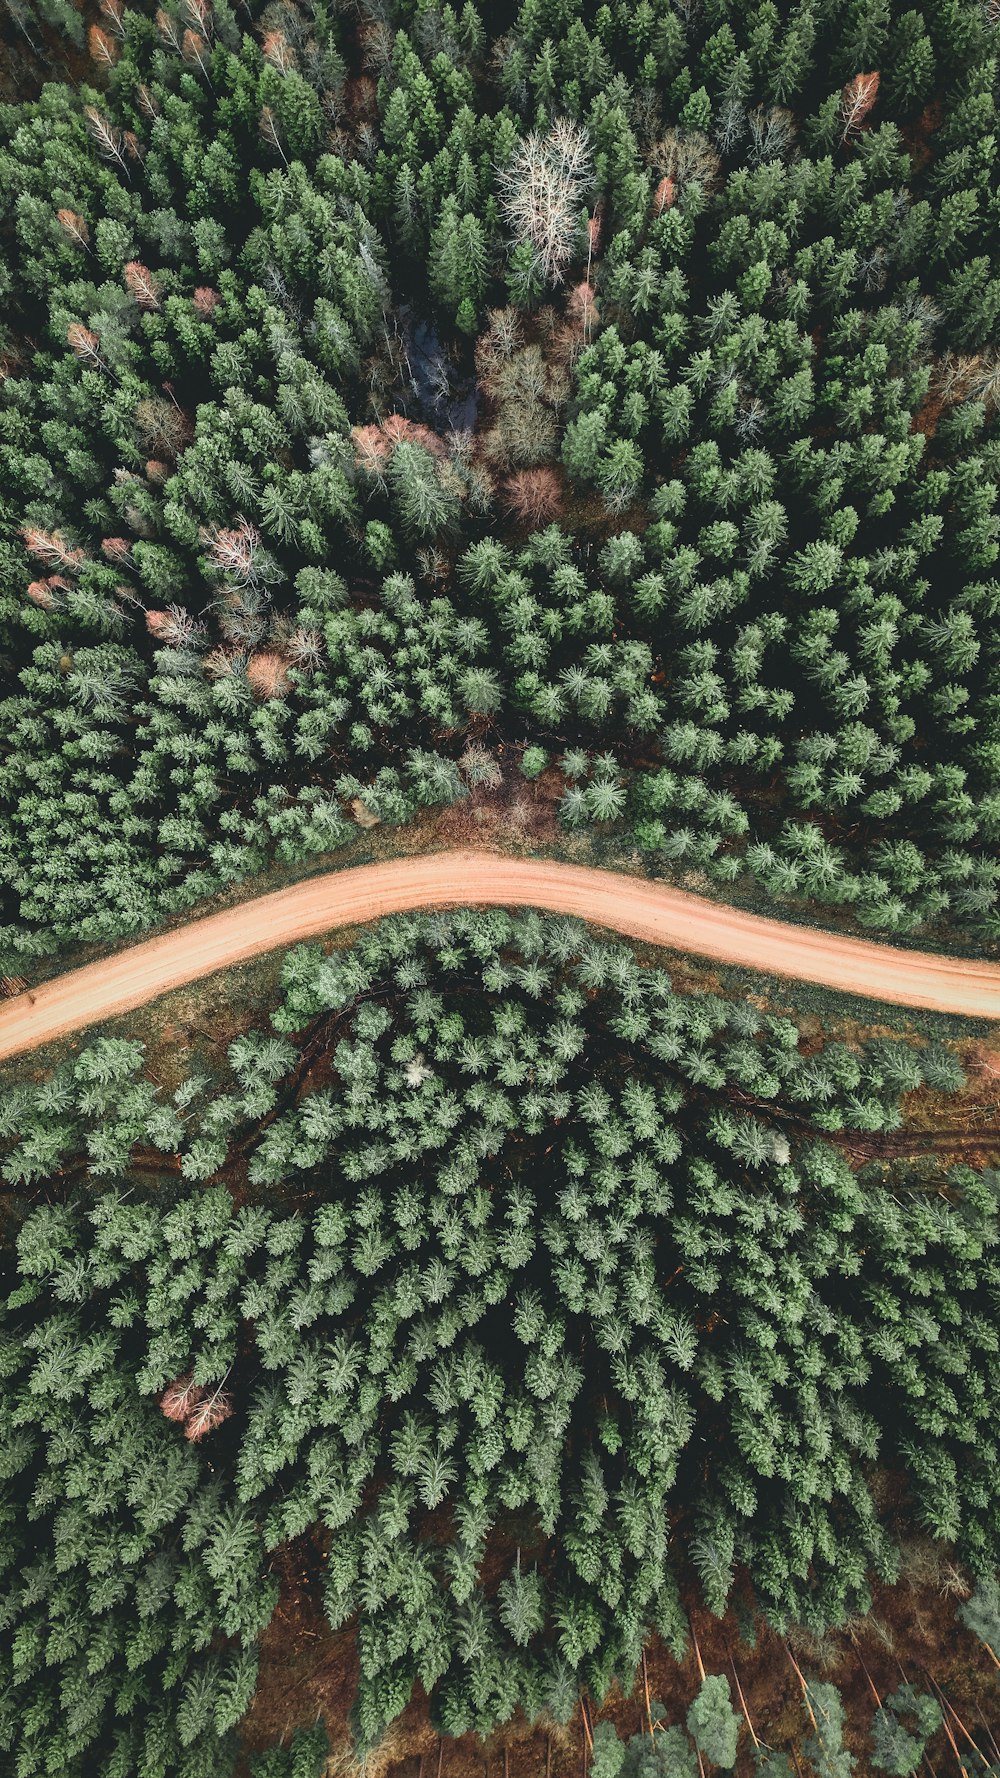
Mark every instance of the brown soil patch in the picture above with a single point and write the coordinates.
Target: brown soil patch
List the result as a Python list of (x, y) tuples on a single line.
[(515, 811), (912, 1632), (916, 135), (31, 56), (926, 418), (307, 1669)]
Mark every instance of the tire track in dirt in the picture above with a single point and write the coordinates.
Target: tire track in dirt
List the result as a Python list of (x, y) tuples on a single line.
[(636, 907)]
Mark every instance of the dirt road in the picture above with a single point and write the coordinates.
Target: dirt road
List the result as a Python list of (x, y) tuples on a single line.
[(630, 905)]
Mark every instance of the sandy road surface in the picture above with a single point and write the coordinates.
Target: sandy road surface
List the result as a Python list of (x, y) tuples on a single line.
[(630, 905)]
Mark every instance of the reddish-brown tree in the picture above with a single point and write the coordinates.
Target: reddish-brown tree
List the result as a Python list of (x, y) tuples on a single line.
[(278, 51), (856, 101), (142, 286), (535, 496), (51, 548), (208, 1414), (85, 343), (113, 12), (73, 226), (103, 48), (181, 1398)]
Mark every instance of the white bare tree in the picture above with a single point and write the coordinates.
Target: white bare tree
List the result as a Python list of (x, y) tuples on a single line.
[(542, 189)]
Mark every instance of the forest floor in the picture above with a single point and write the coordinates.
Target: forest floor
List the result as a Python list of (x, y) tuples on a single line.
[(639, 908)]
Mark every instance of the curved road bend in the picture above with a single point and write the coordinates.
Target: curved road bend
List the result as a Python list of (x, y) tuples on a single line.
[(634, 906)]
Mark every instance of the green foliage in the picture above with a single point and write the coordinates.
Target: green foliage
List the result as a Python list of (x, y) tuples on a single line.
[(607, 1755), (305, 1756), (618, 386), (981, 1612), (537, 1258), (901, 1728), (824, 1748), (665, 1753), (713, 1723), (533, 761), (753, 325)]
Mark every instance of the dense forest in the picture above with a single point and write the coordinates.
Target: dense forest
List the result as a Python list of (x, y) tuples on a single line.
[(406, 407), (495, 1253), (384, 391)]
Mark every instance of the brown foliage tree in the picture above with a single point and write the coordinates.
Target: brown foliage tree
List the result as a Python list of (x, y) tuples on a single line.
[(50, 547), (168, 28), (181, 1398), (117, 550), (48, 593), (193, 48), (162, 426), (205, 302), (581, 307), (142, 286), (856, 101), (535, 496), (113, 11), (278, 51), (267, 674), (85, 343), (73, 226), (103, 48), (208, 1414)]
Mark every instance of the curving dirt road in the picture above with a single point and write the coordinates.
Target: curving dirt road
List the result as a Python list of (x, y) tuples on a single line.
[(631, 905)]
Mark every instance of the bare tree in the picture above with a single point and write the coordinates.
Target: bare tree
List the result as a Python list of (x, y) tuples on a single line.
[(267, 123), (682, 157), (771, 133), (109, 143), (542, 188)]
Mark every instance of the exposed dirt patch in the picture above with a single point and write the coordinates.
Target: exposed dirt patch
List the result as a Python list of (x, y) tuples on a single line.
[(912, 1632), (926, 418), (34, 53), (916, 135), (307, 1670), (512, 812)]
